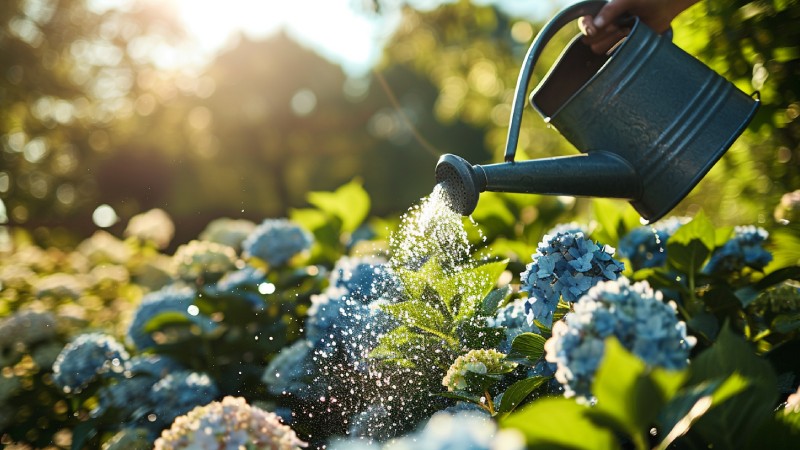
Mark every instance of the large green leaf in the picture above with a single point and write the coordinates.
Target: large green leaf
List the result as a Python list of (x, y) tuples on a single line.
[(419, 314), (518, 392), (527, 348), (551, 423), (629, 394), (692, 403), (350, 203), (689, 247), (734, 421)]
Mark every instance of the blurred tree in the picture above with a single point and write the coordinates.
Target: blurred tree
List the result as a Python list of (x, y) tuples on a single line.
[(68, 73)]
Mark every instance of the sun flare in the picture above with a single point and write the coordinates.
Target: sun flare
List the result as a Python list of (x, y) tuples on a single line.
[(331, 27)]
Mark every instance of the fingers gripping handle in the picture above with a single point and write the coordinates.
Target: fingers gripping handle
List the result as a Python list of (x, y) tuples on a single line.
[(567, 15)]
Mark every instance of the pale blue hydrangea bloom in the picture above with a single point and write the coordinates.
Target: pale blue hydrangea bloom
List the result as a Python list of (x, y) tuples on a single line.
[(26, 327), (565, 266), (179, 392), (634, 314), (365, 278), (645, 246), (744, 249), (174, 299), (203, 260), (514, 320), (231, 424), (344, 324), (292, 372), (444, 431), (124, 393), (230, 232), (85, 359), (154, 366), (276, 241), (375, 422), (243, 283)]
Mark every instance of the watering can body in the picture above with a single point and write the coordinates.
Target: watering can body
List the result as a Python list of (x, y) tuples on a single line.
[(649, 119)]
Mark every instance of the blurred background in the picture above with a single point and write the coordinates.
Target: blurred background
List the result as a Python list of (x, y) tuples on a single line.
[(210, 109)]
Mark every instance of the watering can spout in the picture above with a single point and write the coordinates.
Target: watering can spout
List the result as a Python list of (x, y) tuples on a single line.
[(593, 174)]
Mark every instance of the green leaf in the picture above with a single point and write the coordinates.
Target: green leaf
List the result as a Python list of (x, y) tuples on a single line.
[(350, 203), (472, 334), (415, 313), (480, 382), (164, 319), (692, 403), (527, 346), (691, 244), (628, 395), (518, 392), (470, 285), (463, 396), (733, 421), (540, 422), (492, 301)]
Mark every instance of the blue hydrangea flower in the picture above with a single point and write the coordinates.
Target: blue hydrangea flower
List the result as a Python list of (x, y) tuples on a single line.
[(86, 358), (172, 299), (276, 241), (565, 266), (443, 431), (375, 422), (645, 246), (154, 366), (634, 314), (226, 231), (744, 249), (292, 371), (243, 283), (125, 397), (178, 393), (365, 278), (514, 320), (337, 325)]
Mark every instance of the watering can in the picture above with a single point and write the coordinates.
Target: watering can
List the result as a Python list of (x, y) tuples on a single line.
[(649, 119)]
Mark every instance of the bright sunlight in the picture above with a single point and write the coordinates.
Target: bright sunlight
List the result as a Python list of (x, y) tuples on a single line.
[(334, 28)]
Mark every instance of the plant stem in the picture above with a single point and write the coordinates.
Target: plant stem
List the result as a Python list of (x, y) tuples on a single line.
[(489, 403)]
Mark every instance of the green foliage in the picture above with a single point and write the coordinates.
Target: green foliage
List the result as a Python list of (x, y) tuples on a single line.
[(631, 400), (442, 307)]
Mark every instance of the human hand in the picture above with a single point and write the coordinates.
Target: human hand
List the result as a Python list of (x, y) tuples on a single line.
[(601, 32)]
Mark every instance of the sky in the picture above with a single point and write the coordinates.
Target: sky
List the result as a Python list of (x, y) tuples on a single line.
[(343, 31)]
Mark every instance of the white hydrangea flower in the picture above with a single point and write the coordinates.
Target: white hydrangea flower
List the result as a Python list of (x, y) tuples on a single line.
[(59, 285), (152, 226), (231, 424)]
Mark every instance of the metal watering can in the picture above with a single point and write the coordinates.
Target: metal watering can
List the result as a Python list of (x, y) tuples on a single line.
[(650, 119)]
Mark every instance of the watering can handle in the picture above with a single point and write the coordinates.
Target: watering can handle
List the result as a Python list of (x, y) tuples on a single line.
[(567, 15)]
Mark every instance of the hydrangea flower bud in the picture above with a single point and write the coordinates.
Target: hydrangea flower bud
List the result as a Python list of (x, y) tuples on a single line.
[(481, 361), (203, 260)]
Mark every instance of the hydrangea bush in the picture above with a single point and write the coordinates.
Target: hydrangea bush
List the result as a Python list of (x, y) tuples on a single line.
[(315, 321)]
